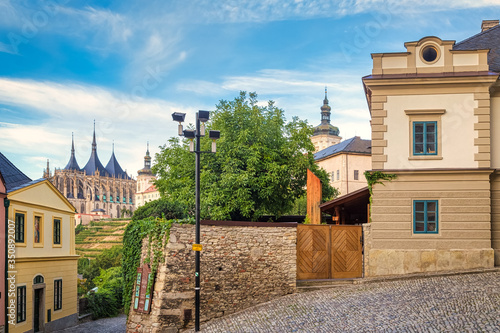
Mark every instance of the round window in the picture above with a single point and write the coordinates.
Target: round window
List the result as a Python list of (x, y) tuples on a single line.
[(429, 53)]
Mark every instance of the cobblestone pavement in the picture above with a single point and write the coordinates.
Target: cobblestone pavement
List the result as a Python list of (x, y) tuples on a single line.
[(105, 325), (460, 303)]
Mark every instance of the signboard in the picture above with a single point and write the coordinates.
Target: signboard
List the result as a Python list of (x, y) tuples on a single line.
[(197, 247), (142, 296)]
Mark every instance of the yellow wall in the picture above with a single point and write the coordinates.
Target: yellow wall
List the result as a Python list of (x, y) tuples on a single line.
[(495, 133), (63, 268), (46, 259), (43, 200)]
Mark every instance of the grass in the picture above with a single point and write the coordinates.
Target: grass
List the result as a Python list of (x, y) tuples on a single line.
[(92, 240)]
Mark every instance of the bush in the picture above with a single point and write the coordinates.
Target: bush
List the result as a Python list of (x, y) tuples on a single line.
[(108, 258), (161, 208), (79, 228), (104, 303)]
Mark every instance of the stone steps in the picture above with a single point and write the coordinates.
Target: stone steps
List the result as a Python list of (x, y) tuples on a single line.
[(311, 285)]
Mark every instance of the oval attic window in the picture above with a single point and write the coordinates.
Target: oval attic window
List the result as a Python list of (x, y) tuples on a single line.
[(429, 53)]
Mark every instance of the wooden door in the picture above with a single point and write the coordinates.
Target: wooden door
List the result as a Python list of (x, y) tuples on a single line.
[(346, 258), (328, 252), (313, 252)]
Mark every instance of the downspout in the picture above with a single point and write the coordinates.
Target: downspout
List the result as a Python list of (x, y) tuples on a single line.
[(6, 203), (347, 171)]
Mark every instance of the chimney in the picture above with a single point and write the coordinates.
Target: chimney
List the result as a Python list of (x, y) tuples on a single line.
[(488, 24)]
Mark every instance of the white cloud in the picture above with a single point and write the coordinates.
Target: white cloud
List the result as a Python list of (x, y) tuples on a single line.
[(65, 108)]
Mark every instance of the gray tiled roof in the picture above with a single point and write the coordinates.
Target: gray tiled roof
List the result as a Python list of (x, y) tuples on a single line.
[(114, 168), (12, 176), (352, 145), (489, 39)]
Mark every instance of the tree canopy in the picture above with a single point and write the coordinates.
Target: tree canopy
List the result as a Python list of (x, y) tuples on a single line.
[(260, 166)]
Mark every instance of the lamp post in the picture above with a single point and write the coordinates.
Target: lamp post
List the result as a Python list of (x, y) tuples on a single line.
[(201, 118)]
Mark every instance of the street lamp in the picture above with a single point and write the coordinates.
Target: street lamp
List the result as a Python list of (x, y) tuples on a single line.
[(195, 135)]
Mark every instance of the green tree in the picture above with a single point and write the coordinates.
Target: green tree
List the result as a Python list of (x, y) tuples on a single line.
[(161, 208), (107, 259), (260, 166)]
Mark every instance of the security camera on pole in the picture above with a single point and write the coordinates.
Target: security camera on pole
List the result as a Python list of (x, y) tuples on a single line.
[(201, 118)]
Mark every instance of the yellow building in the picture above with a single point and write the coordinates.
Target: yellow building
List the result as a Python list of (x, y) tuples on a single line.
[(435, 118), (44, 294)]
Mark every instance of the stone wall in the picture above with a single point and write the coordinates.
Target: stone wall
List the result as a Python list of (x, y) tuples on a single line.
[(242, 265)]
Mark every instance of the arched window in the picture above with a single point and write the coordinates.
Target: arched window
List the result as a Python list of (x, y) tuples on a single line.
[(38, 279)]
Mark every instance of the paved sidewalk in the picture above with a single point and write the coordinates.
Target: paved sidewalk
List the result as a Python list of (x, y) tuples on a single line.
[(459, 303), (105, 325)]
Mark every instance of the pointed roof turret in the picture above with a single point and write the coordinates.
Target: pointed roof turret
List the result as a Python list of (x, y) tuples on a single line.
[(72, 164), (147, 164), (114, 168), (94, 164)]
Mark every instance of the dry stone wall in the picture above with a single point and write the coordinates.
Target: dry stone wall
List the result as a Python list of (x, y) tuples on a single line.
[(242, 264)]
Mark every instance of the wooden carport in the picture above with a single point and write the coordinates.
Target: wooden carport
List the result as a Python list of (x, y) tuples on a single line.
[(349, 209)]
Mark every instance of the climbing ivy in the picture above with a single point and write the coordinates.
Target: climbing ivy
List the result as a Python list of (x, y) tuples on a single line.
[(376, 177), (158, 231)]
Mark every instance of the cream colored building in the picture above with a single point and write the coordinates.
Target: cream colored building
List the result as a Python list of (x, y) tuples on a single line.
[(146, 191), (346, 163), (44, 275), (435, 112), (325, 134)]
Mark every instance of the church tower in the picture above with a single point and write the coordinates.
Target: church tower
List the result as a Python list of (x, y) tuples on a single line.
[(145, 175), (325, 134), (146, 191)]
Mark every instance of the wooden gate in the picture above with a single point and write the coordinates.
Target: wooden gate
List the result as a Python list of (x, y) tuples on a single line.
[(328, 252)]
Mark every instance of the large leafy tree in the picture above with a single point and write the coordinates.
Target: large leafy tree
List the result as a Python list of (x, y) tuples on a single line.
[(260, 166)]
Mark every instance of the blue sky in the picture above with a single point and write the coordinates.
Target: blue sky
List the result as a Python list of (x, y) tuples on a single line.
[(130, 64)]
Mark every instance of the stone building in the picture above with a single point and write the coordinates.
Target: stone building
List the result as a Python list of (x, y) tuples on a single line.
[(95, 186), (325, 134)]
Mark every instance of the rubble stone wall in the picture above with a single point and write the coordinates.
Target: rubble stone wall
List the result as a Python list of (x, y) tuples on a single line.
[(242, 264)]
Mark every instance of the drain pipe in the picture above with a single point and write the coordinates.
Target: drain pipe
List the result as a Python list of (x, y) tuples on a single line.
[(6, 204)]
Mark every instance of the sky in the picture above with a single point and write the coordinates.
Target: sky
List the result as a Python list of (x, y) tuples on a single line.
[(129, 65)]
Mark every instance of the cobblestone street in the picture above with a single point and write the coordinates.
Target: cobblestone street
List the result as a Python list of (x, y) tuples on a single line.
[(460, 303)]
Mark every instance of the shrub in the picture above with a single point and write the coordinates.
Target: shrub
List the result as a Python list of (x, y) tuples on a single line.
[(161, 208), (104, 303), (108, 258)]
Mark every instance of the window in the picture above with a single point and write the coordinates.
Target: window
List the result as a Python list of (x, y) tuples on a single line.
[(430, 54), (37, 230), (19, 221), (356, 174), (57, 231), (21, 304), (425, 134), (38, 279), (332, 177), (338, 174), (425, 216), (425, 138), (57, 295)]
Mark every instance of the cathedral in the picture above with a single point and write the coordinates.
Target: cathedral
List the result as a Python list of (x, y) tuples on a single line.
[(95, 188)]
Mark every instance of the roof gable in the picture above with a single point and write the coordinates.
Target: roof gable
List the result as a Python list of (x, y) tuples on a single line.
[(41, 193)]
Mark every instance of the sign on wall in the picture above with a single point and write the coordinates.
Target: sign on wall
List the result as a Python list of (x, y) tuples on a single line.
[(142, 294)]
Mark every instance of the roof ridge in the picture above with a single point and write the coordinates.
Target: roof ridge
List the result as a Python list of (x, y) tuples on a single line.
[(477, 35)]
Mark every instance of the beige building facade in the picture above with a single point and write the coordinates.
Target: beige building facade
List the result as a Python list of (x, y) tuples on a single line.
[(433, 109), (346, 163)]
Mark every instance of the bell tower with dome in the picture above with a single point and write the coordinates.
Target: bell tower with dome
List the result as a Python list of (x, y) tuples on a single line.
[(325, 134)]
